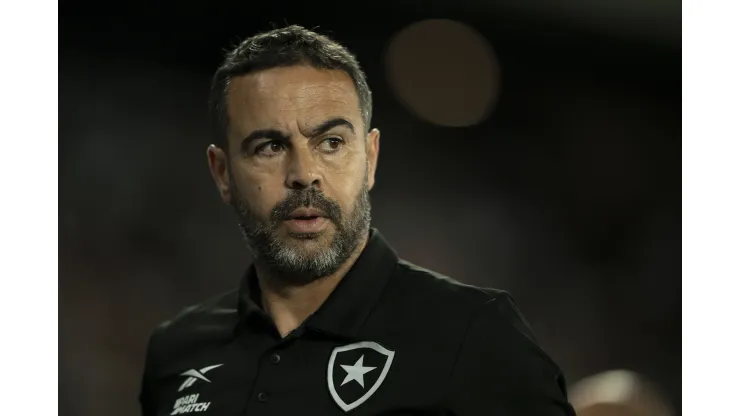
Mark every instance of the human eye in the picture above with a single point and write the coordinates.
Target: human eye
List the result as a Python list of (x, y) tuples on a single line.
[(331, 144), (269, 149)]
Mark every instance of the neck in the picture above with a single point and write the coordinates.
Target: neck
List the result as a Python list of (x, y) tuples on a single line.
[(290, 305)]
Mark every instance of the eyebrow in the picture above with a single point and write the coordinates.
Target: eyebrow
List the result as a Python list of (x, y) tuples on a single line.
[(274, 134), (330, 124)]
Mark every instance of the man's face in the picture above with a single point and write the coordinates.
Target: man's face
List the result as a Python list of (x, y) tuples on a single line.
[(298, 168)]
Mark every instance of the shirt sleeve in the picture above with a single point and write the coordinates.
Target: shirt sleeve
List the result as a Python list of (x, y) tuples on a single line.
[(500, 369)]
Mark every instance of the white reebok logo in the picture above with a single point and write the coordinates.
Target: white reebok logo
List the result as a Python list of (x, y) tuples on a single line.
[(195, 375)]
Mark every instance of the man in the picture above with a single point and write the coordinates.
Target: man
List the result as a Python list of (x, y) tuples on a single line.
[(328, 320)]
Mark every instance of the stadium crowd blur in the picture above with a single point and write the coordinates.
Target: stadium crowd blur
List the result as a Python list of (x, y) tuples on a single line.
[(527, 148)]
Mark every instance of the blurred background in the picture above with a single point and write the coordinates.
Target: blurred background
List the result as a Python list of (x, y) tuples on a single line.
[(527, 145)]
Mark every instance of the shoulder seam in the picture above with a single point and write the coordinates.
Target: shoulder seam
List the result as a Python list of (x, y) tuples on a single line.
[(464, 338)]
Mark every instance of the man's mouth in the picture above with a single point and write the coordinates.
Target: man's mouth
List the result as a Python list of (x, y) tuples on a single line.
[(306, 221), (306, 214)]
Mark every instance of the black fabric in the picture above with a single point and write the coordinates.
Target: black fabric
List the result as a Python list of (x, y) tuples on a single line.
[(392, 339)]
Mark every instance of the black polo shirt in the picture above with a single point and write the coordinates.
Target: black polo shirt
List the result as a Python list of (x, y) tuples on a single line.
[(392, 339)]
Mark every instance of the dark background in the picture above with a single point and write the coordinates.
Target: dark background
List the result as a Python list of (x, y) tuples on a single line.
[(567, 196)]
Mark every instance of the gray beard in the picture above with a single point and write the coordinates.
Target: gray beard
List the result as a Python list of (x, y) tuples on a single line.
[(291, 264)]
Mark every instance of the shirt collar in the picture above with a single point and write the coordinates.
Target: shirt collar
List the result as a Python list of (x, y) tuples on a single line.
[(351, 302)]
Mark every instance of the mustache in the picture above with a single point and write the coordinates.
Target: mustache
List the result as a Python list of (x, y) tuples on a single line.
[(308, 197)]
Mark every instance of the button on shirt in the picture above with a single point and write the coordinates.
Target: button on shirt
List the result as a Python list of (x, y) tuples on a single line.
[(392, 339)]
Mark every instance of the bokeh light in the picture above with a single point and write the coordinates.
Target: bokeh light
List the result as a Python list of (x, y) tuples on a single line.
[(444, 71)]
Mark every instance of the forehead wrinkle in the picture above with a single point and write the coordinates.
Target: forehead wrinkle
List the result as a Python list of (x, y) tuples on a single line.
[(312, 105), (273, 98), (314, 94)]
